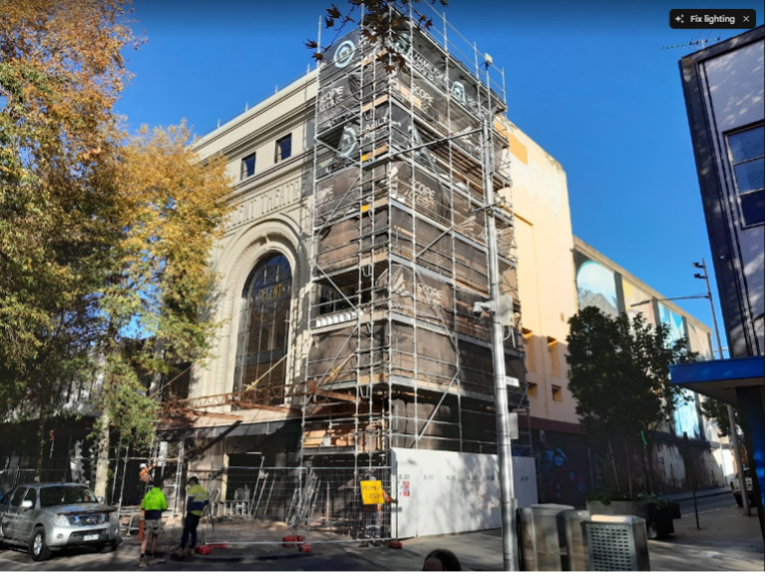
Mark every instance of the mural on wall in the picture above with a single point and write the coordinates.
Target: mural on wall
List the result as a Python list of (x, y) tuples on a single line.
[(632, 297), (700, 341), (562, 468), (596, 286), (686, 415), (687, 419), (675, 321)]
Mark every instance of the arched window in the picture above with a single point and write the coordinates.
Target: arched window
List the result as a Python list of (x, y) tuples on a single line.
[(262, 342)]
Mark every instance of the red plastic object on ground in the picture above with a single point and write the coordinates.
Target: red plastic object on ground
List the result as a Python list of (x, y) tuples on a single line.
[(204, 550), (395, 544), (292, 540), (305, 548)]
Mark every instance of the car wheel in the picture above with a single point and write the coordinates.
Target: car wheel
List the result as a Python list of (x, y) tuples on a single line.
[(737, 497), (38, 549)]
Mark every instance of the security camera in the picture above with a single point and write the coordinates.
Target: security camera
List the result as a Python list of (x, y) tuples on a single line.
[(479, 307)]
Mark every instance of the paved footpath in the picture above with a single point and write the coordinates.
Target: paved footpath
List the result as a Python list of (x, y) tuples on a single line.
[(727, 541)]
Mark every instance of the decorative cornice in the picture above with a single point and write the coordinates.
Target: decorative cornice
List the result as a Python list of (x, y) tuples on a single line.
[(272, 102)]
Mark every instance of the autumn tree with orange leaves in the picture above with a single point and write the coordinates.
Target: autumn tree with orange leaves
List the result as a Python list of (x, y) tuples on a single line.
[(104, 238)]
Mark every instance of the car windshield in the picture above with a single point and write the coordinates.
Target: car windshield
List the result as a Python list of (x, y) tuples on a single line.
[(58, 495)]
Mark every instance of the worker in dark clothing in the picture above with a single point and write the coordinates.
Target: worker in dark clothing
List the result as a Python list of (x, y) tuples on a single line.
[(197, 500)]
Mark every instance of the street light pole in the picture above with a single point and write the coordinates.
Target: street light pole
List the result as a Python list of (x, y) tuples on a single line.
[(731, 416), (503, 443)]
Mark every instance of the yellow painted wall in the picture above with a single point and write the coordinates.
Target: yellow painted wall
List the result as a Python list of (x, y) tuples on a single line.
[(546, 274)]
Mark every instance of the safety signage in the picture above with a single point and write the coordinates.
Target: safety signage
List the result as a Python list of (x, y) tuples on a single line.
[(372, 492)]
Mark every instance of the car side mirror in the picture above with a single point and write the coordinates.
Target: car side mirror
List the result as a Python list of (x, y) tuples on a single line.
[(27, 504), (100, 499)]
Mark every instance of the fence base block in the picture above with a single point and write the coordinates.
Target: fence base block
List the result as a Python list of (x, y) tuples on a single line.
[(395, 544), (305, 548), (292, 540), (204, 550)]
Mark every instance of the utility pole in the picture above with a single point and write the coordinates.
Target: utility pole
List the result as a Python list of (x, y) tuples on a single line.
[(503, 443), (731, 417)]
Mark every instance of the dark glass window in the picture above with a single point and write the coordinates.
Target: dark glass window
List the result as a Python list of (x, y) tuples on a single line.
[(60, 495), (16, 499), (283, 148), (262, 342), (747, 149), (248, 166)]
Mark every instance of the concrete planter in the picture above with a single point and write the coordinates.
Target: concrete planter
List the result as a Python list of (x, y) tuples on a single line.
[(658, 521)]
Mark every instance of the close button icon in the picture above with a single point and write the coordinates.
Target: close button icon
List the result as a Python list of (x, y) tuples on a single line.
[(746, 18)]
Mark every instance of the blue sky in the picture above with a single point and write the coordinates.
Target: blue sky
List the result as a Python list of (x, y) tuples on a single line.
[(589, 81)]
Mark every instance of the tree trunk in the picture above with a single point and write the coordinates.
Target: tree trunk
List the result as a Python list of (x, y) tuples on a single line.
[(102, 447), (646, 477), (40, 447), (102, 461), (649, 456), (613, 463), (629, 465)]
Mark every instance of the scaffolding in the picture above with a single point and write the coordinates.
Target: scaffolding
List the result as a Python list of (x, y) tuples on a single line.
[(399, 255), (399, 251)]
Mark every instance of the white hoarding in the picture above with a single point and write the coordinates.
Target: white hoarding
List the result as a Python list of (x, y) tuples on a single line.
[(449, 492)]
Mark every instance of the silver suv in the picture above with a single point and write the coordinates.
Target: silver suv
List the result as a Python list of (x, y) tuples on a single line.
[(46, 517)]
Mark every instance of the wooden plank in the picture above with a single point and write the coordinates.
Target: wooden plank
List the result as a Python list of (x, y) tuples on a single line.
[(314, 389)]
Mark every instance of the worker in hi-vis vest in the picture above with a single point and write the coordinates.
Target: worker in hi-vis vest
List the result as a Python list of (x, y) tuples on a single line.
[(372, 518), (153, 505), (197, 500)]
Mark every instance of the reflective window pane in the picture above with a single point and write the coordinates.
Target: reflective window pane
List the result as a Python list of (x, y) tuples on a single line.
[(283, 148), (750, 175), (753, 207), (248, 166), (263, 335), (747, 144)]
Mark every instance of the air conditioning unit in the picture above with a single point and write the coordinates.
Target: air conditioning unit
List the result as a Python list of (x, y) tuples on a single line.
[(616, 544)]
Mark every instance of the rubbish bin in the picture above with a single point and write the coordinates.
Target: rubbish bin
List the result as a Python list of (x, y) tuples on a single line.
[(542, 537), (575, 545)]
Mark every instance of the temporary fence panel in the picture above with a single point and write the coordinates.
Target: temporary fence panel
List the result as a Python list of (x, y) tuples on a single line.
[(266, 506), (12, 477)]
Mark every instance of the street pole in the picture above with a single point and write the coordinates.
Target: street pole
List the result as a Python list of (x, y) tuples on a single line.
[(692, 477), (503, 443), (731, 417)]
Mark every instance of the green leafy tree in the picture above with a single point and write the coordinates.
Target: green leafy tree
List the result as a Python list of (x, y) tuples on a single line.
[(60, 72), (161, 282), (619, 374), (717, 411), (104, 238)]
